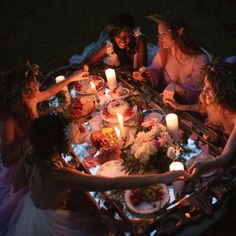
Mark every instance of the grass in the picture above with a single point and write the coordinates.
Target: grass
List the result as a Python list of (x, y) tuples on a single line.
[(50, 32)]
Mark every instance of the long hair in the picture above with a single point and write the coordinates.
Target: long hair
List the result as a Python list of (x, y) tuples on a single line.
[(14, 83), (222, 77), (124, 22), (184, 42)]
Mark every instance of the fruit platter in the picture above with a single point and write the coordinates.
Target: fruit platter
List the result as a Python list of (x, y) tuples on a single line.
[(125, 108), (147, 201), (83, 87)]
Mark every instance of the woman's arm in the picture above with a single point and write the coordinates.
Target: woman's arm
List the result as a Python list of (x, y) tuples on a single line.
[(69, 178), (95, 57), (142, 52), (54, 89), (227, 155)]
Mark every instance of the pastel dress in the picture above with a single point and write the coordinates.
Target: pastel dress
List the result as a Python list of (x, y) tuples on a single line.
[(29, 220), (191, 82), (8, 198)]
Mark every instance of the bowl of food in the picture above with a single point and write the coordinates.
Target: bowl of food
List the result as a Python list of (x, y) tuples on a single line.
[(148, 201), (83, 87)]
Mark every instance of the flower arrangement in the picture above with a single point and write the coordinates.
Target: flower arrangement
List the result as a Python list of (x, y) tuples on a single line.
[(149, 150)]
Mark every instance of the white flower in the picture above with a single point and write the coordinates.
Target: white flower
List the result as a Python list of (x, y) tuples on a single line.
[(145, 151), (165, 140), (137, 32)]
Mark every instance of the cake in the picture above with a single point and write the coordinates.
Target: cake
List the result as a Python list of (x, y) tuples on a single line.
[(118, 106)]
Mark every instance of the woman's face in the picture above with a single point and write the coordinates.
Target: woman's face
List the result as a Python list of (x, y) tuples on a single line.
[(165, 36), (122, 39), (208, 92)]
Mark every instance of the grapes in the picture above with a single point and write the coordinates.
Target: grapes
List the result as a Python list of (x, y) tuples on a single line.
[(149, 194)]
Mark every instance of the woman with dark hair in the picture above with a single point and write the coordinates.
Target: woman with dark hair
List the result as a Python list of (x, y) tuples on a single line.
[(20, 95), (176, 67), (126, 45), (43, 209), (220, 96)]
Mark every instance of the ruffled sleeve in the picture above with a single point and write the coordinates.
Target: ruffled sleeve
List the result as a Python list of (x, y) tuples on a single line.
[(192, 82)]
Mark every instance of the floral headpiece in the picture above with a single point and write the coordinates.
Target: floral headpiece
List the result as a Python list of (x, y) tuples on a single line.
[(14, 81), (222, 76)]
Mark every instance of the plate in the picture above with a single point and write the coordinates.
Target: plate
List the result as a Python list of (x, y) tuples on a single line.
[(83, 87), (147, 209), (156, 114), (80, 108), (112, 118), (112, 169), (79, 133), (202, 157), (119, 93)]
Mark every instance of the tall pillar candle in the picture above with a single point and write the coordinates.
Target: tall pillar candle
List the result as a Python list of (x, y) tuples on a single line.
[(172, 125), (179, 184), (111, 78)]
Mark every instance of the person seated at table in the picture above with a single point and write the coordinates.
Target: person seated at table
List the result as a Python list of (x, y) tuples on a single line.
[(43, 209), (220, 93), (176, 68), (20, 95), (126, 45)]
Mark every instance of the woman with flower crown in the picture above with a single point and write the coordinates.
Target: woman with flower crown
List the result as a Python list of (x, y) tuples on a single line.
[(176, 68), (126, 45), (20, 95), (43, 209), (220, 96)]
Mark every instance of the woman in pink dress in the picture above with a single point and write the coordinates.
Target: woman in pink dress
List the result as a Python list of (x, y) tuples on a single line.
[(176, 68)]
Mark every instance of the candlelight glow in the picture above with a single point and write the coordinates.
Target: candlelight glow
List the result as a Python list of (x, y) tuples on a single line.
[(121, 123), (118, 135), (93, 86), (111, 78), (172, 124), (176, 165), (59, 78)]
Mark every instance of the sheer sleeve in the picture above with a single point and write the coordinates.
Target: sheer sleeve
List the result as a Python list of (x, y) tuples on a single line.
[(191, 84)]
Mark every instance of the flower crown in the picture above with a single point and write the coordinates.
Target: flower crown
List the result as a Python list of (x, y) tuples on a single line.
[(222, 78)]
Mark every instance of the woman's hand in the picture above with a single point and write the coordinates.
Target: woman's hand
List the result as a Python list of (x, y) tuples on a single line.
[(197, 168), (137, 76), (85, 68), (78, 75), (169, 92), (172, 176)]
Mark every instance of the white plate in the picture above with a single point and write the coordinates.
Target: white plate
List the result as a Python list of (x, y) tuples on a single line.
[(112, 169), (156, 114), (202, 157), (116, 96), (114, 118), (85, 85), (146, 209)]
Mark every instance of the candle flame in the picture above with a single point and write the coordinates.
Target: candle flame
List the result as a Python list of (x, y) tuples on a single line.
[(93, 86)]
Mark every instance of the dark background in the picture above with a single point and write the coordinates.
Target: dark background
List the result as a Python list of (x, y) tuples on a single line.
[(49, 32)]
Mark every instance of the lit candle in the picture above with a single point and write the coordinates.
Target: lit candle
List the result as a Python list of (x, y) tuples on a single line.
[(121, 123), (93, 86), (118, 135), (111, 78), (172, 124), (59, 79), (179, 184)]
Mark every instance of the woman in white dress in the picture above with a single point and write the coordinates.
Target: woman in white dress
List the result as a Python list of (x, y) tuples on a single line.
[(42, 211)]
